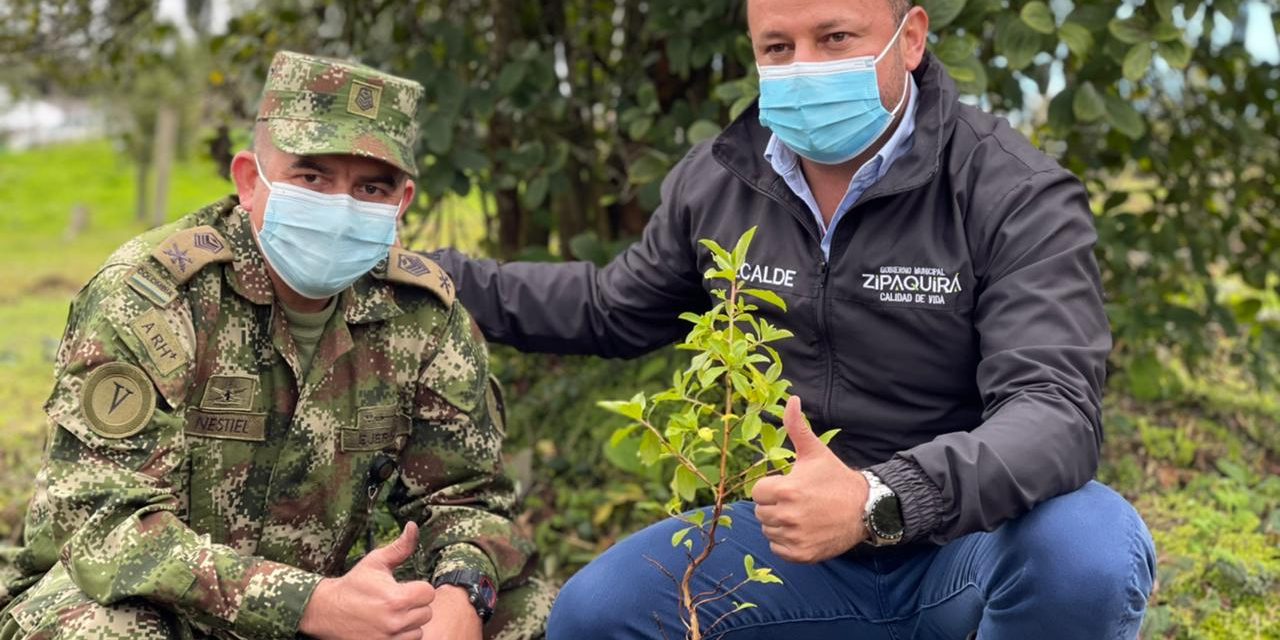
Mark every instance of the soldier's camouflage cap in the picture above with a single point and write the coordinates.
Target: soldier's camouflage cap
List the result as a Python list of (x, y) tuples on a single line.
[(315, 105)]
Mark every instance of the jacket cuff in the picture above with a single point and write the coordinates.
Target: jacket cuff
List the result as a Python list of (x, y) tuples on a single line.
[(274, 601), (464, 556), (920, 499)]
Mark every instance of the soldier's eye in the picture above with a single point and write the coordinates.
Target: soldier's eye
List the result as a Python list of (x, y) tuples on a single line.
[(372, 190), (310, 178)]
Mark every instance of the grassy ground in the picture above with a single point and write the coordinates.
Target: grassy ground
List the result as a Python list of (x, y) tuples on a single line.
[(1201, 462)]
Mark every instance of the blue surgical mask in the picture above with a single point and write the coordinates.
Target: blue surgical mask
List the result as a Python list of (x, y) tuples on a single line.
[(320, 243), (828, 112)]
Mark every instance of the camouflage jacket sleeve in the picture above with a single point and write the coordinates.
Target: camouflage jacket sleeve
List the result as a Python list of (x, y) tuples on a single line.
[(115, 469), (451, 478)]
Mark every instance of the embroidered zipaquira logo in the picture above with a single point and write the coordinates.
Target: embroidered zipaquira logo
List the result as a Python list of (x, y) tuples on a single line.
[(914, 285)]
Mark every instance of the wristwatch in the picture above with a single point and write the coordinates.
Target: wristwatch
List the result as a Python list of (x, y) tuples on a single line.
[(480, 590), (883, 513)]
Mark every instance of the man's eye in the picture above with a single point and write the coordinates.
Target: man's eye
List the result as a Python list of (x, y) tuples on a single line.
[(838, 38), (776, 48), (310, 178), (371, 190)]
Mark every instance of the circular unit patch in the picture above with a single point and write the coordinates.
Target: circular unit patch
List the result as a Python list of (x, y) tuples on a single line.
[(118, 400)]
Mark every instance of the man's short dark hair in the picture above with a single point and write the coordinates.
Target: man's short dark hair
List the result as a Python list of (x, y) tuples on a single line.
[(900, 9)]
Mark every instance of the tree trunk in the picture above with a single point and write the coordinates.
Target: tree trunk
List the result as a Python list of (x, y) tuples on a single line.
[(142, 192), (165, 142)]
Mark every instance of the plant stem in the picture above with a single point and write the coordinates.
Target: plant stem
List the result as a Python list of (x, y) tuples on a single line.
[(691, 604)]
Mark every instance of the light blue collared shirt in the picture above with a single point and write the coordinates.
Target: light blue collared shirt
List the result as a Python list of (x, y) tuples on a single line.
[(787, 164)]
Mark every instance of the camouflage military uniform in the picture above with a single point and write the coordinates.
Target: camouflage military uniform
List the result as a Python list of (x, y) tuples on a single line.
[(198, 482)]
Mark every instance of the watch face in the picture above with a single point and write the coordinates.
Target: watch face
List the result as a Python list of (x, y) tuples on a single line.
[(886, 518)]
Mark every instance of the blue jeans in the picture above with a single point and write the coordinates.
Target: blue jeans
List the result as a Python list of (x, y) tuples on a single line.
[(1079, 567)]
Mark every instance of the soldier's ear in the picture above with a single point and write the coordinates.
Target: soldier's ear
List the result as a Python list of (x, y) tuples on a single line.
[(410, 189), (244, 172)]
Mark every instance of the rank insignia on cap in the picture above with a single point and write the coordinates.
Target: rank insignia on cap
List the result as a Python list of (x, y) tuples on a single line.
[(118, 400), (364, 99)]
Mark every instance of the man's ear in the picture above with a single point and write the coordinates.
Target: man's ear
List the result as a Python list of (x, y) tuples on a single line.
[(244, 172), (915, 34), (410, 189)]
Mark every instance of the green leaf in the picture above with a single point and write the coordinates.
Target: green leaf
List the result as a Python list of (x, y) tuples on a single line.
[(974, 77), (961, 73), (1144, 375), (1176, 53), (1137, 62), (721, 256), (942, 12), (1166, 32), (767, 296), (535, 192), (639, 127), (470, 160), (751, 426), (1088, 105), (622, 434), (511, 75), (1124, 117), (1017, 42), (1077, 38), (707, 377), (747, 605), (724, 521), (686, 484), (1060, 117), (650, 167), (827, 436), (771, 437), (1131, 30), (741, 105), (633, 408), (678, 536), (740, 249), (779, 454), (697, 518), (1037, 15), (650, 448), (437, 132), (702, 130), (954, 50)]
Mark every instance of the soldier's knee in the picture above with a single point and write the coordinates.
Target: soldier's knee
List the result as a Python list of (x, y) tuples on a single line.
[(522, 612)]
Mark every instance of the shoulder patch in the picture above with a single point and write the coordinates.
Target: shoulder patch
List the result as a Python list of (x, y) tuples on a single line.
[(407, 267), (153, 285), (118, 400), (190, 250), (159, 340)]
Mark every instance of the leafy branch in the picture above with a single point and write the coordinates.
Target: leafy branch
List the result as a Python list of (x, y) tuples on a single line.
[(712, 423)]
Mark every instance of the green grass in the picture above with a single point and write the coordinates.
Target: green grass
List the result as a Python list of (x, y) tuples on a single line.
[(1200, 460), (38, 191)]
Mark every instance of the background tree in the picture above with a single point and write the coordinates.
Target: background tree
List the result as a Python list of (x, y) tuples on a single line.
[(566, 115)]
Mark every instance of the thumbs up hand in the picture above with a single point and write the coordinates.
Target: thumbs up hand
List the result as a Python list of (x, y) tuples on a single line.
[(367, 603), (813, 513)]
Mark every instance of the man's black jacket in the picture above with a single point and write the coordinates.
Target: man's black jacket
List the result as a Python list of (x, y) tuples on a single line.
[(956, 336)]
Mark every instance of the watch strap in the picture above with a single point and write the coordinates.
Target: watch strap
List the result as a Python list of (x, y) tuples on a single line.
[(481, 591), (878, 491)]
